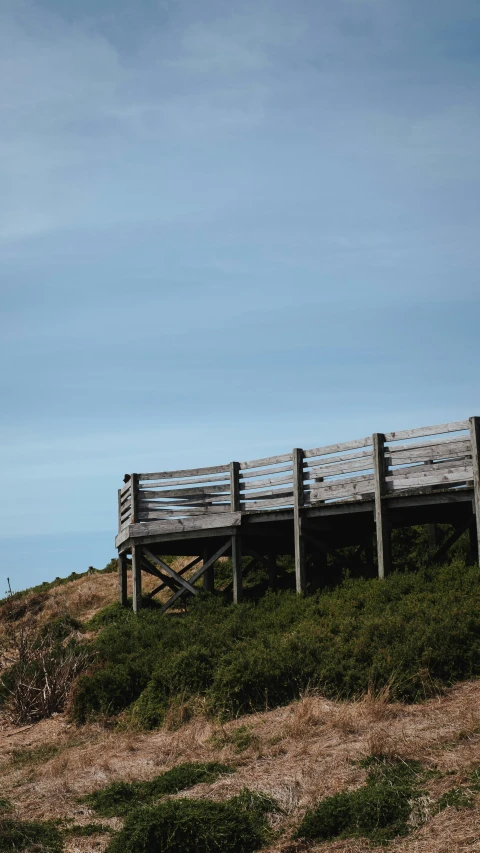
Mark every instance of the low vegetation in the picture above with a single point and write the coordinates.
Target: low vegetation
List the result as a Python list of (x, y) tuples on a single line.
[(237, 825), (412, 635), (379, 810), (120, 798)]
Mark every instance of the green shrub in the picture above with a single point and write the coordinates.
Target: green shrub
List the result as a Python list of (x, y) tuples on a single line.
[(379, 810), (458, 798), (18, 835), (119, 798), (414, 633), (196, 826)]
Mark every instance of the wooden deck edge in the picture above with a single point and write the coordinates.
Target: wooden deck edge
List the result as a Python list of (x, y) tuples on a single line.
[(209, 521)]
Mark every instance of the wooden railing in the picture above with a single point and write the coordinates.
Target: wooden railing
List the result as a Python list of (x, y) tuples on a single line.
[(425, 457)]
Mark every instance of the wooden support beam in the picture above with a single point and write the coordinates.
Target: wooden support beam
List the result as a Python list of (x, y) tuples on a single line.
[(475, 439), (341, 562), (208, 575), (272, 570), (137, 577), (381, 518), (298, 541), (237, 568), (445, 546), (122, 579)]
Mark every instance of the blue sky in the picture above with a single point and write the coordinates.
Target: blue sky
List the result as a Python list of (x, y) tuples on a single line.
[(226, 229)]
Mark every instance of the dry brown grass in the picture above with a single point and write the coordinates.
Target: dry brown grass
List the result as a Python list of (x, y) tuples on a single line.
[(300, 753)]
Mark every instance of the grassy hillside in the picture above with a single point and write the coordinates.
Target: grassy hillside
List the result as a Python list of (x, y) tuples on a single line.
[(325, 723)]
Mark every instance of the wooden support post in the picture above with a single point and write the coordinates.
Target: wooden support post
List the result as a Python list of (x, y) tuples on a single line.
[(122, 579), (208, 576), (119, 510), (475, 439), (137, 577), (237, 568), (369, 555), (381, 518), (299, 544), (134, 498), (235, 486), (272, 570)]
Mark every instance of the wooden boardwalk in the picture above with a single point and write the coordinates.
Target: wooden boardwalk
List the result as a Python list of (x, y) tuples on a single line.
[(306, 503)]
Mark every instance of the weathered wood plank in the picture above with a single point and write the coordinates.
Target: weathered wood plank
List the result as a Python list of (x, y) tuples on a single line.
[(437, 429), (441, 442), (267, 481), (178, 525), (427, 452), (340, 468), (428, 469), (265, 493), (349, 486), (457, 475), (190, 481), (275, 469), (186, 472), (186, 493), (249, 506), (336, 448), (475, 436), (269, 460), (125, 488), (381, 512)]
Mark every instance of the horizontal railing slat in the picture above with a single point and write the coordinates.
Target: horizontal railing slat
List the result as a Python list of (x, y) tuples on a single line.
[(183, 493), (437, 429), (190, 481), (340, 468), (275, 469), (343, 487), (428, 451), (267, 504), (268, 481), (186, 472), (269, 460), (253, 496), (457, 475), (334, 448)]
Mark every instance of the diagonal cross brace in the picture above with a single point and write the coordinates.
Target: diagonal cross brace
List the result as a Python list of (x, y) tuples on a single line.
[(159, 564), (197, 575), (437, 556), (181, 572)]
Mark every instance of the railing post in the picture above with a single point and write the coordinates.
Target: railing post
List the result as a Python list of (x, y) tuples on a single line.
[(298, 541), (208, 575), (475, 441), (137, 577), (381, 517), (133, 498), (122, 579), (237, 568), (119, 510), (234, 486)]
